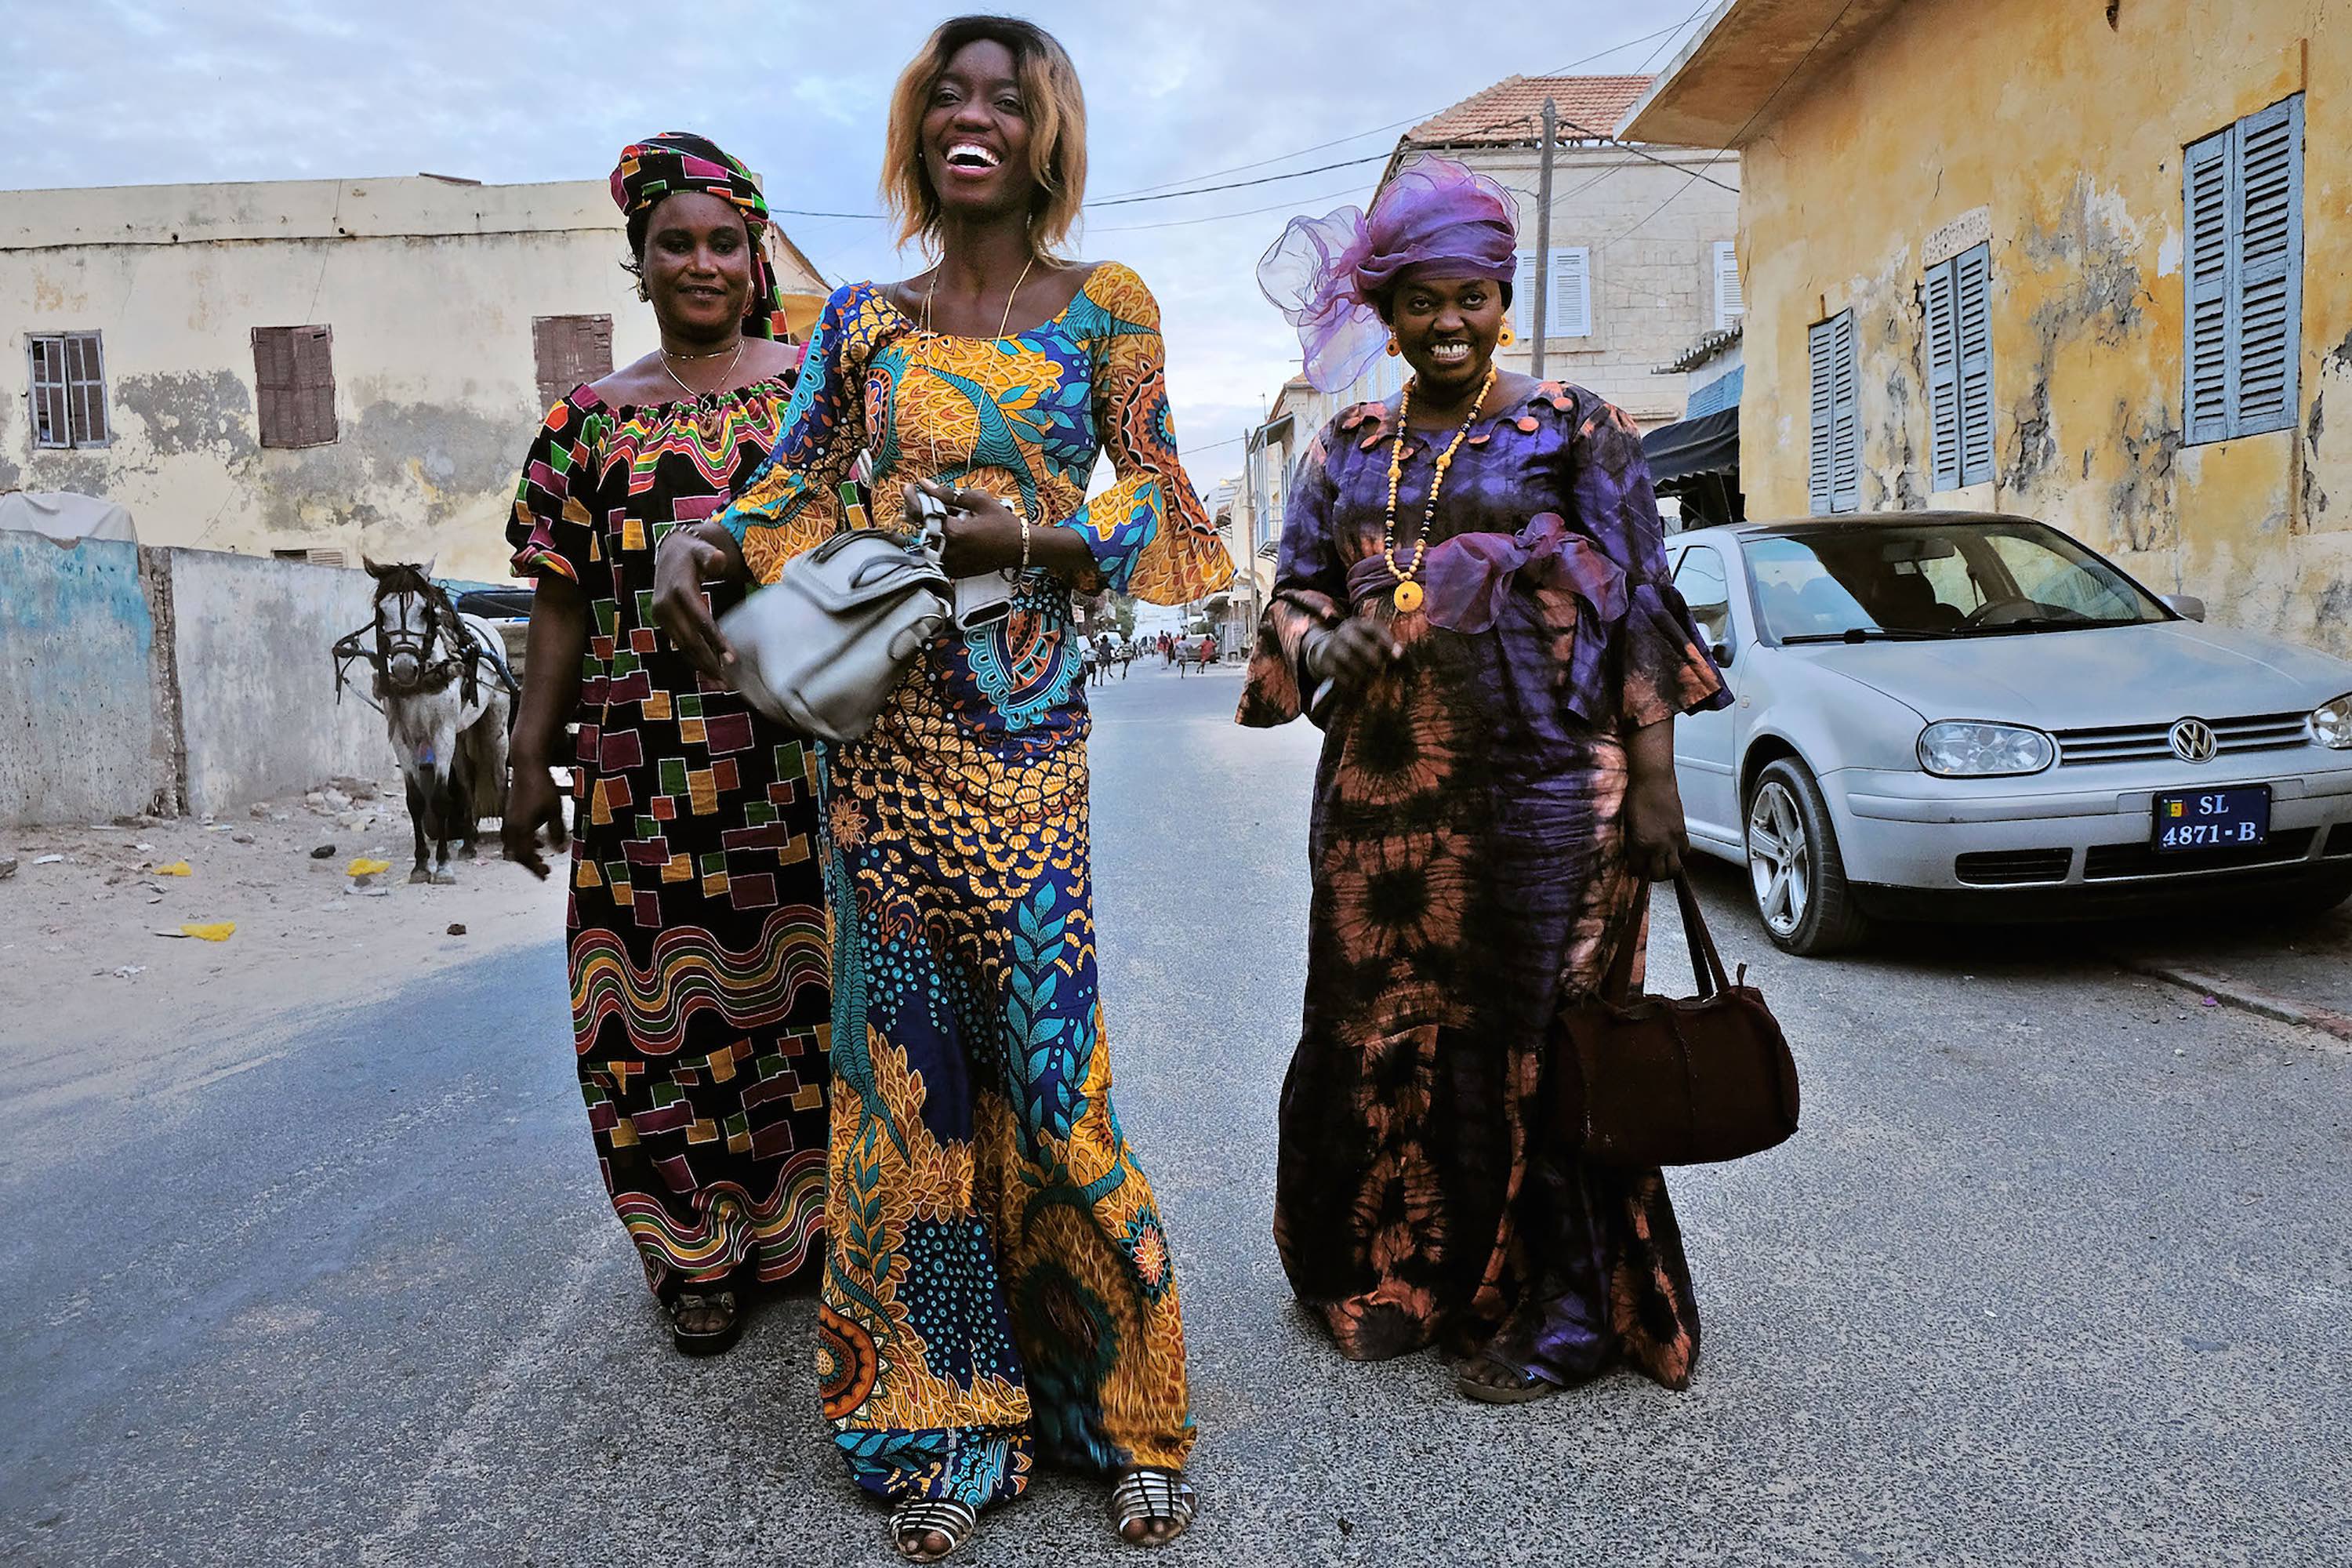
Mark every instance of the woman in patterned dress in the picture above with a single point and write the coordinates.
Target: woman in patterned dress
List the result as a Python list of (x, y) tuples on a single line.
[(699, 994), (998, 1283), (1497, 661)]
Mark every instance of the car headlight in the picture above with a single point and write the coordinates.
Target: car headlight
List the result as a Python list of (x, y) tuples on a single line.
[(2331, 723), (1961, 749)]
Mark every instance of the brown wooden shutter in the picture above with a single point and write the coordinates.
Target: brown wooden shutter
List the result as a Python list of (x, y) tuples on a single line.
[(314, 385), (567, 351), (294, 378)]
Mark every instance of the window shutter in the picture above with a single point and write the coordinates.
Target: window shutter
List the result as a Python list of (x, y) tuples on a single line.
[(1523, 295), (312, 388), (1972, 313), (49, 426), (1730, 304), (567, 351), (1570, 303), (86, 390), (1943, 377), (2206, 275), (1818, 342), (2266, 195), (1845, 457), (273, 382)]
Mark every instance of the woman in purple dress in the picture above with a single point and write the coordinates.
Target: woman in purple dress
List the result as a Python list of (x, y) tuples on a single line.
[(1472, 601)]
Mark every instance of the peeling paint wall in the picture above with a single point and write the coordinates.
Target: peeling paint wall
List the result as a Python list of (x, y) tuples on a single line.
[(75, 717), (2070, 132), (430, 289)]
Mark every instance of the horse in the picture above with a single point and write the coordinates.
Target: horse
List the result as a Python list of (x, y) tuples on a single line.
[(442, 681)]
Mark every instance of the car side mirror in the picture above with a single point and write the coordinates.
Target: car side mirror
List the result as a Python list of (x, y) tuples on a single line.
[(2187, 605), (1721, 653)]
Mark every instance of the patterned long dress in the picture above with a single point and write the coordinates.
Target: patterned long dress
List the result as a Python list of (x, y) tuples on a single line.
[(699, 994), (997, 1278), (1470, 876)]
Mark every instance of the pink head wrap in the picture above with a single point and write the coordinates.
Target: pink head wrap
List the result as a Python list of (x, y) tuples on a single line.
[(1324, 273)]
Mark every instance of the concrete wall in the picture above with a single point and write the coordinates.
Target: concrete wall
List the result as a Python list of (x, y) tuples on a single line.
[(430, 287), (2066, 132), (75, 715), (257, 689), (133, 678)]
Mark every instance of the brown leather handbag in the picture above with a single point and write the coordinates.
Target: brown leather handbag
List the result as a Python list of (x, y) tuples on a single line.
[(1638, 1080)]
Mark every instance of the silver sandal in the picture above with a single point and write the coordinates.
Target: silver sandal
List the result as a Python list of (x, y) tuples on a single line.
[(1152, 1495), (918, 1517)]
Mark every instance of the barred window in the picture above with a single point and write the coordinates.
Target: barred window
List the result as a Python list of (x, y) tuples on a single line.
[(69, 383)]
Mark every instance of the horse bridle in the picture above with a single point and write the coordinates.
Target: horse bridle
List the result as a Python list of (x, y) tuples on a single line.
[(390, 645)]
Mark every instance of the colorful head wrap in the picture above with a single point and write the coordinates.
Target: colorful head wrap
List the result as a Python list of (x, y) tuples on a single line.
[(677, 160), (1324, 273)]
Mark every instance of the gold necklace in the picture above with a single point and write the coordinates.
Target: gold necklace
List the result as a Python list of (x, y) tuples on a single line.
[(1408, 595), (1005, 321), (712, 421)]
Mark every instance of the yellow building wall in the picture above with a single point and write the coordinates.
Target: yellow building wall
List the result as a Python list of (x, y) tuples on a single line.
[(2071, 132)]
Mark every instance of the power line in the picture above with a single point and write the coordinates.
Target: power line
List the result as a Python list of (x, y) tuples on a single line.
[(1408, 120)]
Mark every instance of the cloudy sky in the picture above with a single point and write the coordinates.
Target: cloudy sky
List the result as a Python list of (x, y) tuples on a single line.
[(1197, 92)]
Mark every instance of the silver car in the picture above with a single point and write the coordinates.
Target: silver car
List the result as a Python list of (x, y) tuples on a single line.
[(1952, 715)]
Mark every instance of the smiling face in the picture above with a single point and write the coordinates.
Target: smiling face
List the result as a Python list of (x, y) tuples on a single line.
[(697, 267), (1446, 329), (975, 134)]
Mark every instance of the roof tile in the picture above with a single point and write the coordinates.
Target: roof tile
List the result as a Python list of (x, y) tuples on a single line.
[(1588, 106)]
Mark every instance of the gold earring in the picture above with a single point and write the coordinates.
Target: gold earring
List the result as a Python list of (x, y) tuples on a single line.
[(1394, 349), (1508, 339)]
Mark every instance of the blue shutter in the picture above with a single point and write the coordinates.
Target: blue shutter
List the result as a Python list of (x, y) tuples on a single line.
[(1818, 342), (2266, 277), (1972, 313), (1523, 296), (1846, 422), (1943, 378), (2207, 274)]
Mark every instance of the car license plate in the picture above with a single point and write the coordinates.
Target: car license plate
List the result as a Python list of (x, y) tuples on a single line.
[(2236, 819)]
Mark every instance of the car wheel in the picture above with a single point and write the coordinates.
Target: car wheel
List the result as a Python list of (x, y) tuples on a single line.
[(1794, 868)]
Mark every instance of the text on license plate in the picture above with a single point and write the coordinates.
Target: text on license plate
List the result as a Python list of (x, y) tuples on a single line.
[(2213, 818)]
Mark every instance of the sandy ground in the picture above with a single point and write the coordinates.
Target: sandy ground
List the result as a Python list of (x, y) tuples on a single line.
[(80, 960)]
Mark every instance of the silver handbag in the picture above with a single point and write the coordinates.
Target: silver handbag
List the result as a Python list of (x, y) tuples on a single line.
[(821, 647)]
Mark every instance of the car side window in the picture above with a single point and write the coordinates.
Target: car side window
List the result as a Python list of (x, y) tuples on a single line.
[(1701, 581)]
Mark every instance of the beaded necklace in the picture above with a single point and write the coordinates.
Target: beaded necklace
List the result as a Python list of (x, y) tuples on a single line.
[(1408, 596)]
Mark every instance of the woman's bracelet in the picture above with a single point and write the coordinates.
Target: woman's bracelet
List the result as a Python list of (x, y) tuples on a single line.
[(1024, 544)]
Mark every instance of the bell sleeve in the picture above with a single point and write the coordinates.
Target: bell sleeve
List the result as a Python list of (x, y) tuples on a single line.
[(552, 530), (792, 502), (1310, 592), (1660, 660), (1150, 536)]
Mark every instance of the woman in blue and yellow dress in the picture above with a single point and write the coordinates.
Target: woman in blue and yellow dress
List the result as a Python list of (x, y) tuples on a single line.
[(998, 1284)]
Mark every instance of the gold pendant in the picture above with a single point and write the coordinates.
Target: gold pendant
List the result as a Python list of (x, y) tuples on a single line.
[(1407, 598)]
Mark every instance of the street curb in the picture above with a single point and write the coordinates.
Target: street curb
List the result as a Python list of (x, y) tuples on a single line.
[(2234, 993)]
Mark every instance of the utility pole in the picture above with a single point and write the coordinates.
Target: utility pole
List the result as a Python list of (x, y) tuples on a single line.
[(1539, 314)]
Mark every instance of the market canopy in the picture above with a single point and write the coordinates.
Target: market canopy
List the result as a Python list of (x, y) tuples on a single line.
[(1706, 445)]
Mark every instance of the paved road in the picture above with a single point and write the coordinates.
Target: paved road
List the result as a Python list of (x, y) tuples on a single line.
[(2058, 1272)]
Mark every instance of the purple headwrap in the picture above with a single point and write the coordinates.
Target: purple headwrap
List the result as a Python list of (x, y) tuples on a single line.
[(1324, 272)]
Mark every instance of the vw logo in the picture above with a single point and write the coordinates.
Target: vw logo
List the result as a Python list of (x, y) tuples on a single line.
[(2193, 740)]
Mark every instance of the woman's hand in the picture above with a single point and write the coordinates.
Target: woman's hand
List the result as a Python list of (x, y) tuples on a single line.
[(687, 559), (1655, 838), (983, 534), (1351, 655), (532, 803)]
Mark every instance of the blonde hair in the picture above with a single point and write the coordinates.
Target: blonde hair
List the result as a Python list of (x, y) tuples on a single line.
[(1051, 98)]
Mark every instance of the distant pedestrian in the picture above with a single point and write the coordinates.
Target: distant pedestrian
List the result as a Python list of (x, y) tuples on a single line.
[(1208, 651), (1472, 602), (698, 997)]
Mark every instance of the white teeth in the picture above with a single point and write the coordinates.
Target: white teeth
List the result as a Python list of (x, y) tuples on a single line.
[(968, 151)]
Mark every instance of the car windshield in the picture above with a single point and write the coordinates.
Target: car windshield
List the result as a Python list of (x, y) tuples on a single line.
[(1957, 578)]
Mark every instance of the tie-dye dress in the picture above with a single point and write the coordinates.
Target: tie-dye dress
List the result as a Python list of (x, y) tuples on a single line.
[(997, 1281), (696, 919), (1468, 849)]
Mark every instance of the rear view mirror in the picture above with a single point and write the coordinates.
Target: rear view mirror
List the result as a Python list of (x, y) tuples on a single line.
[(2184, 605)]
